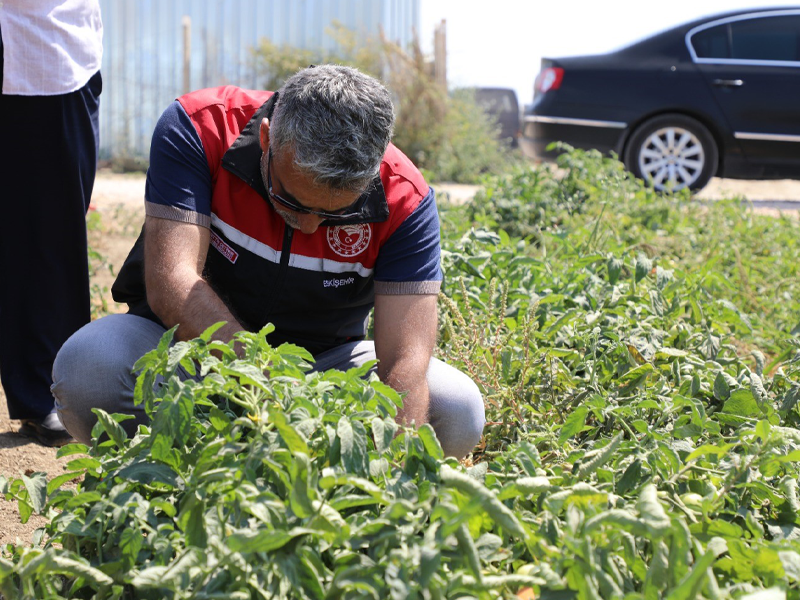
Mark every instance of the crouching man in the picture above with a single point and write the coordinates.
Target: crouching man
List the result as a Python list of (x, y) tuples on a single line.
[(292, 208)]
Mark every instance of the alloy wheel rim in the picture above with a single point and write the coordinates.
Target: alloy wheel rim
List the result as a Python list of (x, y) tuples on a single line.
[(671, 159)]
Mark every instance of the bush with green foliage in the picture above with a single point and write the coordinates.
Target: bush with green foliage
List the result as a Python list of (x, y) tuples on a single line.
[(642, 439)]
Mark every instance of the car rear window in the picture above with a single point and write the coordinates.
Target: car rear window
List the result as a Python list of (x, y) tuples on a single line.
[(765, 38)]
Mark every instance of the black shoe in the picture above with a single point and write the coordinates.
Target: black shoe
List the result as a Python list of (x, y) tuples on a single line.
[(48, 431)]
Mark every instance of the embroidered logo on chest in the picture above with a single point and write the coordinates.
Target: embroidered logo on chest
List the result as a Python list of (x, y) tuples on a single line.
[(349, 240), (223, 248)]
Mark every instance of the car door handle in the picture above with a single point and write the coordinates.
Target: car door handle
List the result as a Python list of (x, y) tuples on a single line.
[(728, 82)]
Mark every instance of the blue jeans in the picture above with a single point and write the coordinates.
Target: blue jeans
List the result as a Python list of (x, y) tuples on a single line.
[(94, 370)]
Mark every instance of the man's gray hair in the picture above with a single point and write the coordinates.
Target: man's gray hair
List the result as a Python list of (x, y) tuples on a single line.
[(338, 121)]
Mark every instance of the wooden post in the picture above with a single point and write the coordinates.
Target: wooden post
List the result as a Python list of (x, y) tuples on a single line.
[(440, 53), (187, 54)]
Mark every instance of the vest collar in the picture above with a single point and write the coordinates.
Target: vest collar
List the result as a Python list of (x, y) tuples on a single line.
[(243, 159)]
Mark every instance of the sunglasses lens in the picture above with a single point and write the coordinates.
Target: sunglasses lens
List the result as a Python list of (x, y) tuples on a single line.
[(299, 207)]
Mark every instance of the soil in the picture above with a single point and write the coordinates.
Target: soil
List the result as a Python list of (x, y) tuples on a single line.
[(118, 203)]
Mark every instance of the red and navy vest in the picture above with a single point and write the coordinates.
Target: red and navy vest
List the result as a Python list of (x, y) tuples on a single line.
[(316, 289)]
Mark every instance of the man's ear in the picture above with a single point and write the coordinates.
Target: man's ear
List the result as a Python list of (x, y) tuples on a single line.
[(263, 134)]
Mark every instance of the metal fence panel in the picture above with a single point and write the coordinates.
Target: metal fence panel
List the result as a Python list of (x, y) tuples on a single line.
[(143, 50)]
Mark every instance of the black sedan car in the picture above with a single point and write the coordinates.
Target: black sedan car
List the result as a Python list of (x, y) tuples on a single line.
[(719, 96)]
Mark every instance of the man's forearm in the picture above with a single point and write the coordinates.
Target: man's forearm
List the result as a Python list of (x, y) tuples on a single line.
[(416, 403), (194, 306), (405, 334), (174, 255), (416, 406)]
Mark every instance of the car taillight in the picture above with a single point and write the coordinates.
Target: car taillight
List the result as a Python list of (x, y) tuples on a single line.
[(549, 79)]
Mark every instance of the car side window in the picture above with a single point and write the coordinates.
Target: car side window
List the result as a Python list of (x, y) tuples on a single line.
[(714, 42), (769, 38)]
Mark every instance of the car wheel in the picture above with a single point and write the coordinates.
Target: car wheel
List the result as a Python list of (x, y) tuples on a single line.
[(672, 152)]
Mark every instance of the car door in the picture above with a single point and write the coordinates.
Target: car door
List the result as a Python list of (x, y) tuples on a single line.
[(752, 65)]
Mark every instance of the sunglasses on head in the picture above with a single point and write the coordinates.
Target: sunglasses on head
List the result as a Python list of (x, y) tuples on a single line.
[(345, 213)]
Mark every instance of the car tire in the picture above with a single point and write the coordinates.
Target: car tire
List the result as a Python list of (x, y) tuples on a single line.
[(672, 152)]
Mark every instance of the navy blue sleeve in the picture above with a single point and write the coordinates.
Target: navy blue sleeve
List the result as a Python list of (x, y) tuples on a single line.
[(178, 184), (409, 261)]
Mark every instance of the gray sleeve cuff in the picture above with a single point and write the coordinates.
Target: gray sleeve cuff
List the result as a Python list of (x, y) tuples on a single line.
[(172, 213), (401, 288)]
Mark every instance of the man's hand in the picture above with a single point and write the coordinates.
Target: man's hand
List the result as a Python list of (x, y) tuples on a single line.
[(405, 334), (174, 255)]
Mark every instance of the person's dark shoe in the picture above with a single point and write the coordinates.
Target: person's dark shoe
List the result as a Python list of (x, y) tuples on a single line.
[(48, 431)]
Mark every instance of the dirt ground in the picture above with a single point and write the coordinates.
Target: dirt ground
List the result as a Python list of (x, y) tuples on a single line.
[(117, 214)]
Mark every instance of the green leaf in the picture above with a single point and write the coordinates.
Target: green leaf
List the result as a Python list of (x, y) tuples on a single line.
[(149, 578), (467, 546), (85, 463), (643, 266), (670, 353), (761, 360), (614, 266), (689, 588), (474, 491), (73, 566), (430, 441), (57, 482), (631, 478), (759, 393), (25, 510), (293, 440), (262, 540), (300, 499), (177, 354), (172, 424), (742, 404), (601, 458), (656, 578), (191, 520), (790, 398), (218, 419), (130, 542), (211, 330), (636, 373), (430, 559), (246, 373), (71, 449), (562, 321), (710, 449), (353, 438), (526, 486), (114, 430), (149, 473), (166, 340), (651, 511), (573, 424), (722, 390), (383, 431), (36, 484)]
